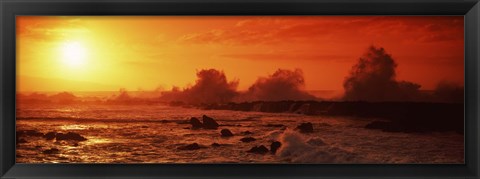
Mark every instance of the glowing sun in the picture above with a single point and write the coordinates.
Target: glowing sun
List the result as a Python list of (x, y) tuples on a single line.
[(73, 54)]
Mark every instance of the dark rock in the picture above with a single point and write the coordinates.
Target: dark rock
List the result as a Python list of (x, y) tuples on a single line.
[(20, 133), (193, 146), (51, 151), (305, 127), (29, 133), (50, 135), (33, 133), (209, 123), (377, 125), (258, 150), (226, 133), (275, 146), (196, 124), (21, 140), (406, 116), (215, 145), (70, 136), (247, 133), (248, 139), (391, 127), (459, 131)]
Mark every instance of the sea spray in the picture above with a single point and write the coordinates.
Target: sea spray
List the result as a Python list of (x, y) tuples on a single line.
[(300, 148)]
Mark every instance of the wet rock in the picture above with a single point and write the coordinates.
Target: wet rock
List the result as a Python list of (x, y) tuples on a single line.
[(193, 146), (29, 133), (258, 150), (196, 124), (50, 135), (226, 133), (51, 151), (247, 133), (275, 146), (305, 127), (306, 109), (389, 127), (209, 123), (33, 133), (21, 140), (248, 139), (377, 125), (20, 133), (70, 136)]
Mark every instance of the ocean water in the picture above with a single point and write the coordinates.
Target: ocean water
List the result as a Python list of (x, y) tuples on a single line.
[(153, 133)]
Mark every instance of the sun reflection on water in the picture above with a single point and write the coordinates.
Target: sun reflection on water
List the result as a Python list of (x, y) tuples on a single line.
[(73, 127), (93, 141)]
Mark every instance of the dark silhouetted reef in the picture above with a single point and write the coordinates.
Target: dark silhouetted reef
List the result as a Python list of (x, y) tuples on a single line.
[(392, 116)]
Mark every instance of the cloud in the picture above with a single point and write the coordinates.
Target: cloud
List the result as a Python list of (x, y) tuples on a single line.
[(227, 36), (49, 28), (287, 56), (276, 30)]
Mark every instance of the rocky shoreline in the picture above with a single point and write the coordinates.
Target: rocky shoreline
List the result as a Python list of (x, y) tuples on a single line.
[(392, 116)]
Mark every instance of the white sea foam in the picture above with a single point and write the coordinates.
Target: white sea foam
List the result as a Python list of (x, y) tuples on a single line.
[(299, 148)]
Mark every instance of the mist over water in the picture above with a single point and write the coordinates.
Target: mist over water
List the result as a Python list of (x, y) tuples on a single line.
[(281, 85), (373, 78), (211, 87)]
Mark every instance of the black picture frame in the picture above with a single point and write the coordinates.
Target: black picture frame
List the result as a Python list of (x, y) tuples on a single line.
[(470, 9)]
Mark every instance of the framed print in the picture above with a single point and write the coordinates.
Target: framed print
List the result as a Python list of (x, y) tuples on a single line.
[(239, 89)]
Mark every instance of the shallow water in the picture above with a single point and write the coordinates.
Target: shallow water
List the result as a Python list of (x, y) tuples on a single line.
[(152, 134)]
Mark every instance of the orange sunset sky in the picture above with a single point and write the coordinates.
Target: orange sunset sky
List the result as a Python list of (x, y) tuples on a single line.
[(106, 53)]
